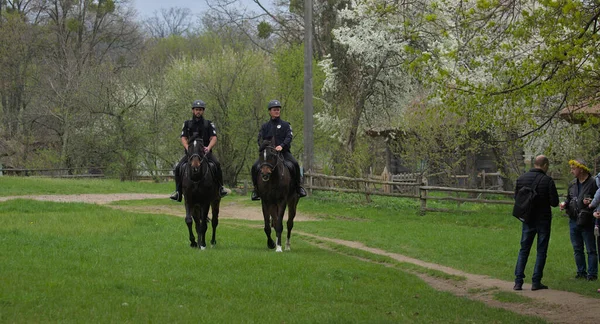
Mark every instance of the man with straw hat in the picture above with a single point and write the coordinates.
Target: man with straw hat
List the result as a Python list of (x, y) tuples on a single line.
[(581, 221)]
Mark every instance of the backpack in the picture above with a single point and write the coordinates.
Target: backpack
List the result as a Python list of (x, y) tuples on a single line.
[(524, 201)]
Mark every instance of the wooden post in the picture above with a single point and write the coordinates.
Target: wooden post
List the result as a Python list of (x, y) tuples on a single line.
[(422, 195), (483, 178), (385, 176)]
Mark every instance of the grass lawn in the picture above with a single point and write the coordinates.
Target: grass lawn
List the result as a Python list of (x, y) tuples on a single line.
[(63, 262), (72, 262)]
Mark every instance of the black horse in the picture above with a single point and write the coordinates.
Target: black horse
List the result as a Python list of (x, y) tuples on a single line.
[(277, 191), (201, 192)]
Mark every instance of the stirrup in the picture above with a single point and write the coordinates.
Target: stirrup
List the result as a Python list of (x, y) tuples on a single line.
[(176, 196), (223, 192), (301, 192), (255, 195)]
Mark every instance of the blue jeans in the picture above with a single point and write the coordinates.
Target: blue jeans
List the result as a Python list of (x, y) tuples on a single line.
[(541, 228), (579, 237)]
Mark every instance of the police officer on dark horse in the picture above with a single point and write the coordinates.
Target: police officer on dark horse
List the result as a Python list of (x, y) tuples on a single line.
[(282, 132), (198, 128)]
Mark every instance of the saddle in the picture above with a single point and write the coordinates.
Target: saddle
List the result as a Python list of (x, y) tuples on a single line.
[(290, 166)]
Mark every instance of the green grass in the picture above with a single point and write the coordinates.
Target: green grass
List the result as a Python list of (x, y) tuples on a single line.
[(107, 245), (475, 238), (509, 297), (10, 186), (72, 262)]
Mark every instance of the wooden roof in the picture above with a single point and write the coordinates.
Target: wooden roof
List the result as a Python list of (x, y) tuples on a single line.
[(580, 113)]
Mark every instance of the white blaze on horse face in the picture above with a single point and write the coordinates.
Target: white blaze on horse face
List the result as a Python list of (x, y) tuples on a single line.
[(195, 159)]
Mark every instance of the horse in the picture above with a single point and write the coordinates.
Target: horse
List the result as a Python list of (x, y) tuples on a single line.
[(201, 192), (277, 191)]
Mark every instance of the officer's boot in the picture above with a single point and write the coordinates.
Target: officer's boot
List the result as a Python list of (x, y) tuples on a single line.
[(222, 191), (299, 189), (254, 195), (177, 195)]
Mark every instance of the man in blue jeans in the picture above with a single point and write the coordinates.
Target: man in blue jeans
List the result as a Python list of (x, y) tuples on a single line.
[(540, 224), (581, 221)]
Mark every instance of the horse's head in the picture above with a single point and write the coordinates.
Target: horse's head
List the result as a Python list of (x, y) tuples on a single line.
[(196, 155), (268, 158)]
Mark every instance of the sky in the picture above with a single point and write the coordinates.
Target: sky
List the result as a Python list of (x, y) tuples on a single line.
[(146, 8)]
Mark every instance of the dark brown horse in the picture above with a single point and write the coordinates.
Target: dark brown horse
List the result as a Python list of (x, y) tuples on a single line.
[(201, 192), (275, 186)]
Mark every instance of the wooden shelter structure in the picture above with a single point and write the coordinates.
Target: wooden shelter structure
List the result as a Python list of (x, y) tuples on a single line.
[(580, 113)]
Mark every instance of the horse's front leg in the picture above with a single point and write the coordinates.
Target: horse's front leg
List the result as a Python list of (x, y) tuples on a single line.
[(279, 224), (188, 222), (292, 203), (202, 226), (267, 217), (214, 221)]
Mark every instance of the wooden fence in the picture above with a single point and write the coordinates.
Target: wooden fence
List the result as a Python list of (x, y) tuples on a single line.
[(408, 186), (141, 175)]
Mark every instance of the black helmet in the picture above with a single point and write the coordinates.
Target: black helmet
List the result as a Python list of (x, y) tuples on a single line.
[(198, 104), (273, 104)]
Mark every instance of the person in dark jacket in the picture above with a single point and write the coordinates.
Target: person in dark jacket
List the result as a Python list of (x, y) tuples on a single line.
[(540, 224), (581, 220), (282, 132), (198, 128)]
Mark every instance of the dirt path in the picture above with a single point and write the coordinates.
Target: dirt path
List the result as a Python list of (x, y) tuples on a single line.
[(552, 305)]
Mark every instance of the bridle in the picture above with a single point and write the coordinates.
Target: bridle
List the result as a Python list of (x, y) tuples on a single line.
[(196, 155), (265, 162)]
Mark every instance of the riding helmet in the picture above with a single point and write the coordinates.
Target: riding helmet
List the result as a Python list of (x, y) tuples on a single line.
[(273, 104), (198, 104)]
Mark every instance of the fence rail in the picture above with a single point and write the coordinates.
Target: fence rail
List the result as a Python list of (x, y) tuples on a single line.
[(416, 189), (403, 185), (89, 172)]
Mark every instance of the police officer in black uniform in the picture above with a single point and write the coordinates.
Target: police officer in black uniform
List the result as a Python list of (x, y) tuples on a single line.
[(198, 128), (282, 131)]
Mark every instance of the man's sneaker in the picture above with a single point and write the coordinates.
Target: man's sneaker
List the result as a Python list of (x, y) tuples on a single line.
[(581, 276), (176, 196), (223, 192), (254, 195), (301, 192), (518, 286), (538, 286), (592, 278)]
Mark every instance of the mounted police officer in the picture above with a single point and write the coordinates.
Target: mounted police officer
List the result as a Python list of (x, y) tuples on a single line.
[(282, 132), (198, 128)]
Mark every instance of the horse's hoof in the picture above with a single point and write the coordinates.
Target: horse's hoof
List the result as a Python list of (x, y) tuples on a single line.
[(271, 244), (194, 245), (202, 248), (278, 249)]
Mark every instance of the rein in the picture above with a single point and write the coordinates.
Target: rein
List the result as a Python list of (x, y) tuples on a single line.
[(189, 165), (279, 159)]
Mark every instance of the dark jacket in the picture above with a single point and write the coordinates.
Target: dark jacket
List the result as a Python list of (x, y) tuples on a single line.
[(575, 198), (547, 196), (278, 128), (199, 128)]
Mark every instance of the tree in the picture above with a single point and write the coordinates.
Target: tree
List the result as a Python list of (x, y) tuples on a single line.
[(85, 34), (21, 40), (172, 21)]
